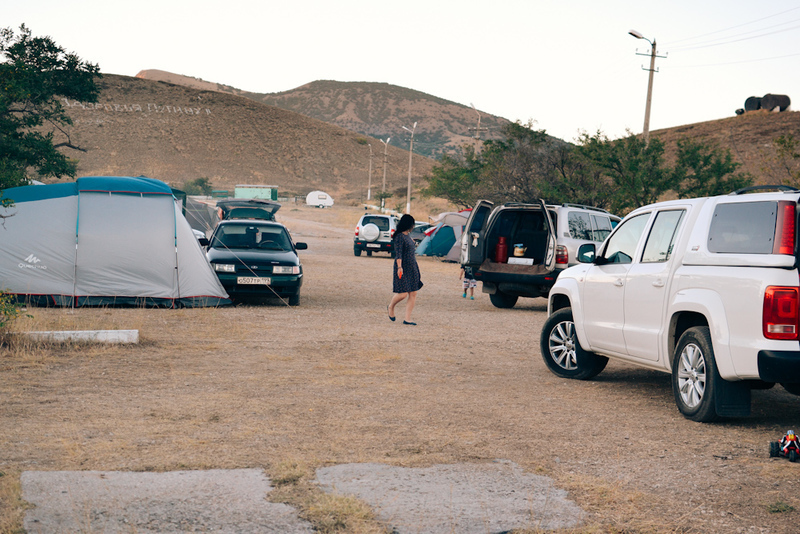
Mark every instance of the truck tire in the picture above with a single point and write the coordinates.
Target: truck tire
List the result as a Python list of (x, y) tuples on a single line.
[(695, 378), (562, 352), (357, 251), (503, 300)]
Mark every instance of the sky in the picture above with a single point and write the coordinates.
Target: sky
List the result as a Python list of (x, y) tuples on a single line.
[(569, 66)]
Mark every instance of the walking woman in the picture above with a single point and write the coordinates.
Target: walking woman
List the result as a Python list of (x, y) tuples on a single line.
[(406, 281)]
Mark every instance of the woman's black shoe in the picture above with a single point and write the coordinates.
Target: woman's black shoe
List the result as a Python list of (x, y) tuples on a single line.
[(412, 324)]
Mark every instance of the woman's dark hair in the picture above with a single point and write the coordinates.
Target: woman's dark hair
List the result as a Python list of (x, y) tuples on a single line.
[(406, 223)]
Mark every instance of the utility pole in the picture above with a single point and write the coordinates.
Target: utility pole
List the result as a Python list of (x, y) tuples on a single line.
[(652, 69), (410, 152), (385, 155), (477, 130), (369, 184)]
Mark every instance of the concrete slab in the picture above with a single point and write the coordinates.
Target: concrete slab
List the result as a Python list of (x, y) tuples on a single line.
[(101, 336), (223, 501), (465, 498)]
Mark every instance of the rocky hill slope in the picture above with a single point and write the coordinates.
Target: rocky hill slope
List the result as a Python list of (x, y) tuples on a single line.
[(176, 134), (375, 109)]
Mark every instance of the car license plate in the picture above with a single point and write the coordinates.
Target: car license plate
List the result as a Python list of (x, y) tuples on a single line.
[(251, 280), (373, 245)]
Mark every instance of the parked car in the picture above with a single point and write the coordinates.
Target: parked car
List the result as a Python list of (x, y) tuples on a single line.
[(247, 208), (541, 240), (418, 233), (705, 289), (374, 233), (256, 259)]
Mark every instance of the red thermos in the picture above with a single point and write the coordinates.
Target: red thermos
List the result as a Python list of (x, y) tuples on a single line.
[(501, 251)]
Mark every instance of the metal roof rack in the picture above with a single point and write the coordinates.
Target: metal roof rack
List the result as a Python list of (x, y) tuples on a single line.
[(754, 188)]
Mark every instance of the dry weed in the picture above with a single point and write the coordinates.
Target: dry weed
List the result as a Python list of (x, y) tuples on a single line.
[(12, 507), (328, 513)]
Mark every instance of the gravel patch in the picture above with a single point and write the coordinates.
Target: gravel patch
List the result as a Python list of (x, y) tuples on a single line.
[(218, 500), (469, 498)]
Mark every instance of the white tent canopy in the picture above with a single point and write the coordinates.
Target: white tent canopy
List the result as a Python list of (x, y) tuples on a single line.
[(103, 241)]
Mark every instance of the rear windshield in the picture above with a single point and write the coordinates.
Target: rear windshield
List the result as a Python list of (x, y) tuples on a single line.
[(743, 228), (381, 222)]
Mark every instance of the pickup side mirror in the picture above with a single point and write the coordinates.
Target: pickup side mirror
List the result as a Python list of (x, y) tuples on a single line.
[(203, 241), (587, 253), (301, 246)]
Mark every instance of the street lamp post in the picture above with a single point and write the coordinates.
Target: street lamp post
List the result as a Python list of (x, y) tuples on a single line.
[(369, 183), (652, 69), (410, 152), (385, 154)]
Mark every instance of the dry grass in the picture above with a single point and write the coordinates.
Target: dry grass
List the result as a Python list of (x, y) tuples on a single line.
[(333, 381), (294, 485)]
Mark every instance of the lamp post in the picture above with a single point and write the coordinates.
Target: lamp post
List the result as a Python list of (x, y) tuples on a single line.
[(410, 152), (369, 183), (652, 69), (385, 154)]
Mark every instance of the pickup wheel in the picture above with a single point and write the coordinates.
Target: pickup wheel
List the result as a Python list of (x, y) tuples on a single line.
[(562, 352), (503, 300), (695, 378)]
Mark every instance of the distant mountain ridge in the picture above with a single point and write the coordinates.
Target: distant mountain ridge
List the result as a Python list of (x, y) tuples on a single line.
[(177, 133), (379, 110)]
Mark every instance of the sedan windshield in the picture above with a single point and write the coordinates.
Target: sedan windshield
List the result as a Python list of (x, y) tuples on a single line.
[(239, 236)]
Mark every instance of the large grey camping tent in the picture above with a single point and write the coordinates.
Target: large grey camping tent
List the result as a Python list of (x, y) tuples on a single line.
[(101, 241)]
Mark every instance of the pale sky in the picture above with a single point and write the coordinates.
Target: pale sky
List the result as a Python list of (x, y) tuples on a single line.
[(570, 66)]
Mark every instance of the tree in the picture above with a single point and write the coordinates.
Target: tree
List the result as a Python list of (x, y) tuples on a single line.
[(456, 178), (198, 186), (634, 167), (34, 74), (787, 151), (576, 180), (702, 170)]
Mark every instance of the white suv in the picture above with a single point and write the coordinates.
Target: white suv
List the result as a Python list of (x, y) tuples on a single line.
[(548, 237), (374, 233), (706, 289)]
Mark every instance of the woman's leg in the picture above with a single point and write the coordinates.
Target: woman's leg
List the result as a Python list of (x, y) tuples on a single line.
[(412, 298), (396, 299)]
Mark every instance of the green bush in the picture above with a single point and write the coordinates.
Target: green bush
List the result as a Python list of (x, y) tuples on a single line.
[(10, 310)]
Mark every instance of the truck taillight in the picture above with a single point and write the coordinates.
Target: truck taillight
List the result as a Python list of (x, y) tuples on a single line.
[(356, 231), (780, 317), (392, 233), (562, 254), (785, 228)]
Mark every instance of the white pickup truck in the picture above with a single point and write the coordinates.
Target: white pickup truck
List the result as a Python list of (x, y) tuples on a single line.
[(706, 289)]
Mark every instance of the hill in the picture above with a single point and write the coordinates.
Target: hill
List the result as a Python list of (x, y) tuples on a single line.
[(749, 137), (375, 109), (176, 133)]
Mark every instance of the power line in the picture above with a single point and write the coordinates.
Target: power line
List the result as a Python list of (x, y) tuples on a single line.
[(733, 62), (702, 45), (734, 27)]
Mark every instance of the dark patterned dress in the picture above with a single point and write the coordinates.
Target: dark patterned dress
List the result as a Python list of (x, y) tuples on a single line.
[(405, 249)]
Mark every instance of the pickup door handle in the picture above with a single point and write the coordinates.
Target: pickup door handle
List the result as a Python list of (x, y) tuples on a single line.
[(658, 283), (618, 282)]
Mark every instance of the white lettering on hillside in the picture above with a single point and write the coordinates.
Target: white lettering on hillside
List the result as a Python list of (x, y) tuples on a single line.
[(135, 108)]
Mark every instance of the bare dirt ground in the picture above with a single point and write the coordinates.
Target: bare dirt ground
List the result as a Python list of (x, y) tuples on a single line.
[(333, 381)]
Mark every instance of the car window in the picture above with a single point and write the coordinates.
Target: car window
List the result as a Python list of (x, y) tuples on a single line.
[(240, 236), (662, 236), (580, 225), (621, 246), (743, 227), (381, 222), (602, 227)]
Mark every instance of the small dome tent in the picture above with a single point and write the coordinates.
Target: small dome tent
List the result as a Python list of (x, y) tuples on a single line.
[(103, 241)]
